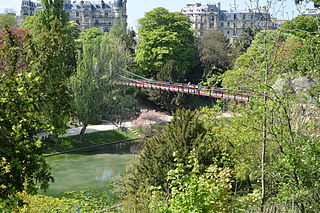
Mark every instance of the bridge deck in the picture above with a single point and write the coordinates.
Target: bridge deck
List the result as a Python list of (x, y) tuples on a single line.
[(188, 89)]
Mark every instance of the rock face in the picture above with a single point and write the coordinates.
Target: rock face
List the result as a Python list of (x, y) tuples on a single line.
[(304, 111), (301, 84), (298, 85), (281, 84)]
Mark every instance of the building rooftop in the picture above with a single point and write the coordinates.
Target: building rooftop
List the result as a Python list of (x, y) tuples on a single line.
[(90, 5)]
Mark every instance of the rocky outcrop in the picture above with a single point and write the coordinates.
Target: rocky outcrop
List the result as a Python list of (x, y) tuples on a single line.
[(298, 85)]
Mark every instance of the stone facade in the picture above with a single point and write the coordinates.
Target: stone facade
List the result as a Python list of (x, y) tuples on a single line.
[(29, 8), (231, 24), (86, 14)]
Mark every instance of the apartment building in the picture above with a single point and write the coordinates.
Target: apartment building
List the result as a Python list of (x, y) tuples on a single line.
[(230, 23), (86, 14)]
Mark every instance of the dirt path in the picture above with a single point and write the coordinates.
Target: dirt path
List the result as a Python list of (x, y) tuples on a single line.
[(94, 128)]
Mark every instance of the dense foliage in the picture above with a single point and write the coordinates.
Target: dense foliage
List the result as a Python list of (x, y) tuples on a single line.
[(35, 68), (22, 166), (185, 133), (8, 20), (76, 201), (302, 26), (194, 191), (52, 58), (259, 154), (215, 52), (100, 60), (273, 140), (165, 37), (165, 51), (280, 128)]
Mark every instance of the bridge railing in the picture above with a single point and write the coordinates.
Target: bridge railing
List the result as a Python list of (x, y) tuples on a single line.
[(215, 92)]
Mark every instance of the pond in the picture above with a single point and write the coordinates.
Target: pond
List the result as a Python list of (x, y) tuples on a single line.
[(89, 170)]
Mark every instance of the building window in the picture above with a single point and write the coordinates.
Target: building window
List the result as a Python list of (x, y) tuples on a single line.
[(78, 22), (228, 32), (86, 13), (221, 24), (234, 16), (106, 14), (77, 14), (228, 24), (96, 22)]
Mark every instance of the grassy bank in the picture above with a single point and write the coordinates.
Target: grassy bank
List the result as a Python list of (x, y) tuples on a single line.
[(90, 139)]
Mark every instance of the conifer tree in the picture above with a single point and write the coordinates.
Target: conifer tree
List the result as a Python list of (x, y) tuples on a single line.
[(183, 134)]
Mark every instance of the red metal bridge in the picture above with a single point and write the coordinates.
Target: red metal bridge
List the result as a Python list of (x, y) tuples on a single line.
[(213, 92)]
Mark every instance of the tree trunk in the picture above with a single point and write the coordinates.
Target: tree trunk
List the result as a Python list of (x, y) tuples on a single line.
[(248, 184), (83, 130)]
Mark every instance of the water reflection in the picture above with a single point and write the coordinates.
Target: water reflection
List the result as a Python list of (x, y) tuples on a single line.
[(106, 175), (90, 169)]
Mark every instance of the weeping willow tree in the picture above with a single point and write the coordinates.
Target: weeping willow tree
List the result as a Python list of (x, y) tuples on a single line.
[(99, 62)]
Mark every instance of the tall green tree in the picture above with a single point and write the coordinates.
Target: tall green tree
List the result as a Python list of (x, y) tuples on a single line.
[(86, 85), (52, 58), (215, 52), (22, 165), (163, 37), (165, 50), (101, 59)]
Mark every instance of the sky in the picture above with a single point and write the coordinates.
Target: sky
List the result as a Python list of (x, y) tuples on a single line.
[(285, 9)]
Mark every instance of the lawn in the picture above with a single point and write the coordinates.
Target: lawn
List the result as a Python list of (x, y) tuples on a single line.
[(90, 139)]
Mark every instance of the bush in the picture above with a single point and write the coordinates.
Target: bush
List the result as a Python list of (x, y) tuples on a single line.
[(194, 191)]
